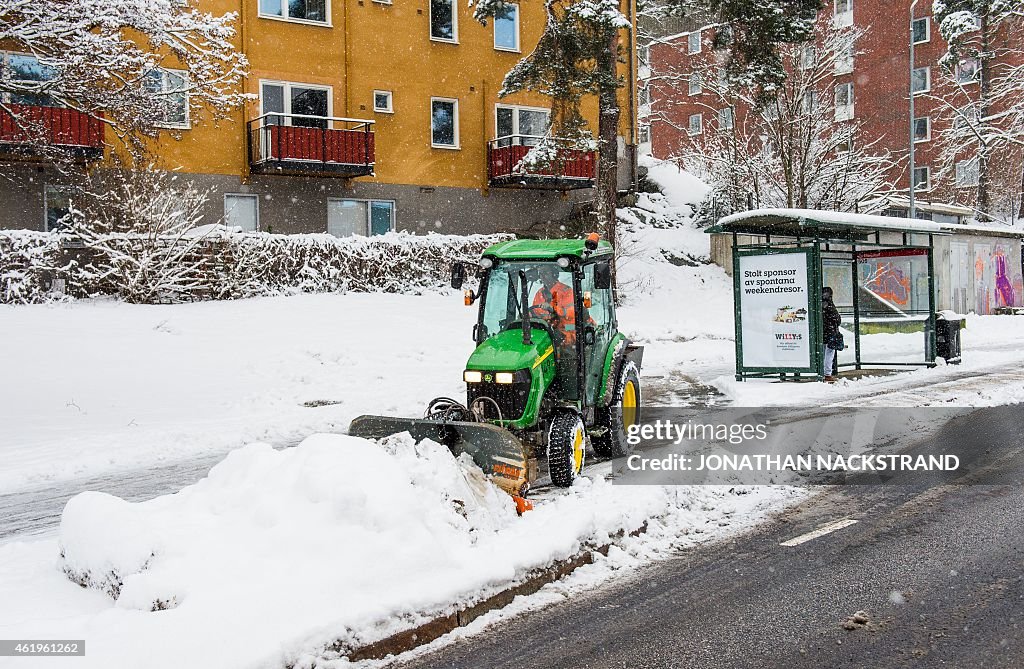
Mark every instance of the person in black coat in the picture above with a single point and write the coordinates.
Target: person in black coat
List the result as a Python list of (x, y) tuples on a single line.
[(830, 322)]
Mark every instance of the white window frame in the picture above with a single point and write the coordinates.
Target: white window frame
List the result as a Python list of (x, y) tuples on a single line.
[(369, 212), (452, 147), (517, 47), (731, 116), (928, 129), (455, 23), (690, 42), (252, 196), (808, 56), (700, 124), (288, 97), (187, 123), (927, 80), (927, 178), (46, 201), (844, 61), (694, 85), (961, 168), (844, 18), (327, 23), (390, 109), (843, 112), (515, 116), (977, 72), (927, 29), (643, 131)]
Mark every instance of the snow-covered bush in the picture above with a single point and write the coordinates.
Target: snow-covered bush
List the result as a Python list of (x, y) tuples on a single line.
[(214, 262)]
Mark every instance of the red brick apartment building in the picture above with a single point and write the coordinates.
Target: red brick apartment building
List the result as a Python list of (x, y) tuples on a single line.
[(874, 83)]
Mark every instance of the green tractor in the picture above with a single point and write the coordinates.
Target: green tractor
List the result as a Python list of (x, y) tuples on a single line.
[(551, 372)]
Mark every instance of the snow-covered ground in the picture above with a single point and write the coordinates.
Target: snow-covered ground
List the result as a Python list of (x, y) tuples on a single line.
[(277, 553)]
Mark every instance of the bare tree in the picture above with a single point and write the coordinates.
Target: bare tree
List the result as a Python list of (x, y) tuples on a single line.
[(796, 144)]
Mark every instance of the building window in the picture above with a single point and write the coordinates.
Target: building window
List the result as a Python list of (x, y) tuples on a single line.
[(844, 13), (967, 71), (25, 69), (644, 98), (314, 11), (922, 129), (695, 87), (725, 118), (171, 89), (506, 28), (242, 211), (696, 124), (643, 55), (844, 59), (520, 125), (693, 42), (967, 173), (921, 80), (644, 133), (922, 178), (809, 103), (844, 101), (303, 105), (922, 31), (808, 56), (967, 117), (444, 123), (56, 205), (382, 102), (346, 218), (443, 22)]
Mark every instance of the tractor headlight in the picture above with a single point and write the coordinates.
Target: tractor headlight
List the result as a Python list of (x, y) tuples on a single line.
[(504, 377), (563, 262), (486, 263), (472, 376)]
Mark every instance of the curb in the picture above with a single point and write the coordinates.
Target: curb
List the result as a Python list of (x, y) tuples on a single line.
[(438, 627)]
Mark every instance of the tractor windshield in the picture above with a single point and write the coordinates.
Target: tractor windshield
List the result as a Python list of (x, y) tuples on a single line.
[(502, 309)]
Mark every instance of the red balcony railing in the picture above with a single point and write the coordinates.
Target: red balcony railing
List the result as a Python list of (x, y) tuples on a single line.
[(301, 144), (572, 168), (30, 129)]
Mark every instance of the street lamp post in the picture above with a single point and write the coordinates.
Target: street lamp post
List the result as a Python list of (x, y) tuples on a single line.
[(913, 185)]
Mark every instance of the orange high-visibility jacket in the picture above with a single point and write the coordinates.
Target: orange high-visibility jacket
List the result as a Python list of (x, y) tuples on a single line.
[(559, 298)]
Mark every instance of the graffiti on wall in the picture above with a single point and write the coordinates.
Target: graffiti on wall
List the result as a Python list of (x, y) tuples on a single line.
[(890, 281), (1007, 288)]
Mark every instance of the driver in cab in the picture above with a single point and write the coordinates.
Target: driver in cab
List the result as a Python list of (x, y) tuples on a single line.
[(554, 304)]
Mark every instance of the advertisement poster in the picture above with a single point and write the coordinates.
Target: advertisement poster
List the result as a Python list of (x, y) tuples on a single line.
[(773, 293)]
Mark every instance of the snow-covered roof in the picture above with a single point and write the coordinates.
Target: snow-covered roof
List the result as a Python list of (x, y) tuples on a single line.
[(781, 221)]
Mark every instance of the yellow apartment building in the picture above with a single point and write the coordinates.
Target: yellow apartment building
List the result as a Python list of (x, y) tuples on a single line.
[(368, 116)]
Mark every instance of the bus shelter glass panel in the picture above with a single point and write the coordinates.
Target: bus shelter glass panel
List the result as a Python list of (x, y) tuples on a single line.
[(893, 305)]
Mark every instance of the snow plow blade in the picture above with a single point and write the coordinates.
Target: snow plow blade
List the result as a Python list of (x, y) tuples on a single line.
[(495, 450)]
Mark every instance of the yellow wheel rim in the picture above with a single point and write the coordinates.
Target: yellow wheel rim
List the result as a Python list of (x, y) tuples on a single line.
[(629, 404), (577, 451)]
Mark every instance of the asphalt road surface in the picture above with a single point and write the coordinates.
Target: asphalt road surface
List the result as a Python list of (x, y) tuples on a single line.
[(935, 567)]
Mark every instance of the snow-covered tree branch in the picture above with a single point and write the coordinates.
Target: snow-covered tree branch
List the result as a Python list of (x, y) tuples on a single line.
[(137, 64)]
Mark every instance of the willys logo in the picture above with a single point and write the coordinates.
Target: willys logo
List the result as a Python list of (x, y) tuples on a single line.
[(786, 335)]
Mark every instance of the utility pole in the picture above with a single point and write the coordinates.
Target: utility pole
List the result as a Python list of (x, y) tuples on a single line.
[(913, 186)]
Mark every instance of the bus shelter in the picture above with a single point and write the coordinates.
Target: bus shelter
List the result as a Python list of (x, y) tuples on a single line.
[(881, 271)]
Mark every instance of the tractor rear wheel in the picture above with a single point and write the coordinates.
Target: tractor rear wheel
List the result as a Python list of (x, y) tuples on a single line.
[(623, 412), (567, 448)]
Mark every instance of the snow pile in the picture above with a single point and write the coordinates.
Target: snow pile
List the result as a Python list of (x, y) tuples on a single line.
[(222, 263), (333, 544), (329, 509)]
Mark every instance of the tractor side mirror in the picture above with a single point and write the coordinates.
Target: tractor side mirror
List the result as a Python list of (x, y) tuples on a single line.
[(458, 275), (603, 275)]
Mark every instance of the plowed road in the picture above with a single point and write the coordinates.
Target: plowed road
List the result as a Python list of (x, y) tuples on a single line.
[(936, 570)]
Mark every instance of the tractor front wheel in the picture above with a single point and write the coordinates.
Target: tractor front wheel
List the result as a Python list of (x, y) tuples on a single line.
[(623, 412), (567, 448)]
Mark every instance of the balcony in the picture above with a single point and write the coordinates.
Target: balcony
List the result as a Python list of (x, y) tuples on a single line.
[(36, 132), (296, 144), (572, 170)]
